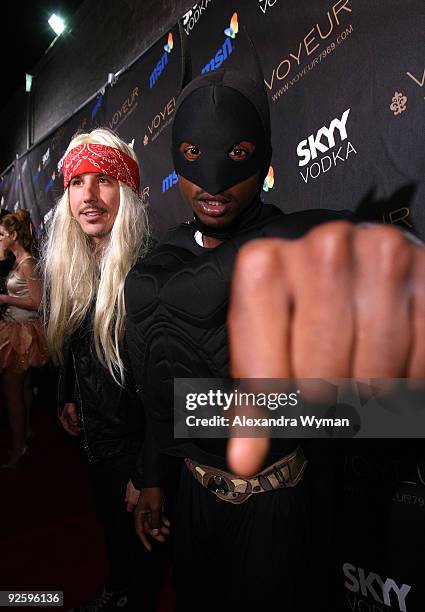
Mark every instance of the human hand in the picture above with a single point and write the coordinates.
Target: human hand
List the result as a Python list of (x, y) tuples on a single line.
[(69, 419), (343, 301), (149, 519), (131, 496), (4, 298)]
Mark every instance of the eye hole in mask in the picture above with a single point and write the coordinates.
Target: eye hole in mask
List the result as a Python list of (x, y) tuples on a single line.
[(239, 153)]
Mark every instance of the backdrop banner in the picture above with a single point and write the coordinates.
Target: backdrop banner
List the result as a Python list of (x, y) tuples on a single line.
[(346, 86)]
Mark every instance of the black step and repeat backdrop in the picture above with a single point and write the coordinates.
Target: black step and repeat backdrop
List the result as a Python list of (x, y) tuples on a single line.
[(345, 80), (346, 87)]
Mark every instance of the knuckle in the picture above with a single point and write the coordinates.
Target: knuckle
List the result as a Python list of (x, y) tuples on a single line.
[(329, 247), (259, 261), (387, 249)]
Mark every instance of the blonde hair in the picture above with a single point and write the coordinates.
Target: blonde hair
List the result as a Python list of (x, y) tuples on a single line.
[(76, 277)]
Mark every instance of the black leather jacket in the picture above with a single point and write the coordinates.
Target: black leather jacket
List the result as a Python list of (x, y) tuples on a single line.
[(111, 416)]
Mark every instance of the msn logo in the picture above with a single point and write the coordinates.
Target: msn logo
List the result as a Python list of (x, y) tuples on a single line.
[(221, 55), (169, 181), (157, 71)]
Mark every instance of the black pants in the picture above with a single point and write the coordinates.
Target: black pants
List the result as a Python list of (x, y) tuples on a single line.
[(253, 556), (131, 567)]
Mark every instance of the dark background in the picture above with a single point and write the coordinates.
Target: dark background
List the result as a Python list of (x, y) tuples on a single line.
[(26, 36), (105, 36)]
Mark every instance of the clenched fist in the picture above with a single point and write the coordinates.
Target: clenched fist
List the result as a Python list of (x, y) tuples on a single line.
[(343, 301)]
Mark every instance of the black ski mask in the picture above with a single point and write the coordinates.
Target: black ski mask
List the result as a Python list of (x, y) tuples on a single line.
[(215, 112)]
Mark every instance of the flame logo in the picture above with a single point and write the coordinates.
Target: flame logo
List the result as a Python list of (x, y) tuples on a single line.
[(269, 180), (169, 46), (234, 26)]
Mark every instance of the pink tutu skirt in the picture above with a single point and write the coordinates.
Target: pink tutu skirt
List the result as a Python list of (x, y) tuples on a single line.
[(22, 345)]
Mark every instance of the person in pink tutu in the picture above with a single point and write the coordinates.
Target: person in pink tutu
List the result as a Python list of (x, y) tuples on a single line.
[(22, 342)]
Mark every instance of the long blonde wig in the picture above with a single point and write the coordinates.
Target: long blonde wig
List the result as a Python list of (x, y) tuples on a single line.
[(78, 279)]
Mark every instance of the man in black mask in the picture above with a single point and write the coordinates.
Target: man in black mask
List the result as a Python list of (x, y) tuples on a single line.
[(221, 141), (233, 550)]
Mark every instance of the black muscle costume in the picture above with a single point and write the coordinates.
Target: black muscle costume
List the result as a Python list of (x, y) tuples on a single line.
[(228, 557)]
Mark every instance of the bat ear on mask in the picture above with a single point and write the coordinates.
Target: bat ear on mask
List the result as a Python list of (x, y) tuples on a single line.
[(248, 60), (185, 57), (245, 62)]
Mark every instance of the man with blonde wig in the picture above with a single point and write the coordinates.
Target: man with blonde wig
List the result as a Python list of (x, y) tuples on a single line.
[(99, 230)]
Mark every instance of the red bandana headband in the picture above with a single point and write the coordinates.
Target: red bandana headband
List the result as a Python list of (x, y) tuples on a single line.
[(102, 160)]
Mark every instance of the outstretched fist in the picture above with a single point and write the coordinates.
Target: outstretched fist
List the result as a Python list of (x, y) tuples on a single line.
[(344, 301)]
